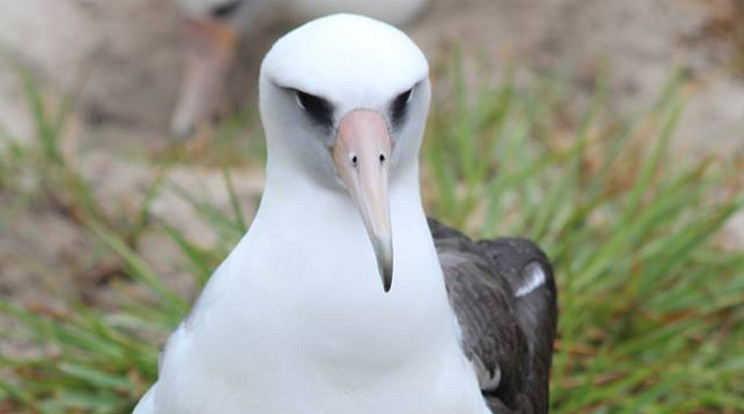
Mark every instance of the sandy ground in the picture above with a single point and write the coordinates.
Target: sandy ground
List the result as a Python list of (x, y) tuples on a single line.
[(122, 62)]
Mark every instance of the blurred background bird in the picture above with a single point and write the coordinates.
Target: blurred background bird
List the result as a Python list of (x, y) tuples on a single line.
[(215, 26)]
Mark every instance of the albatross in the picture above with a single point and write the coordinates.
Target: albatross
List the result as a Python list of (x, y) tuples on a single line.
[(343, 297), (213, 28)]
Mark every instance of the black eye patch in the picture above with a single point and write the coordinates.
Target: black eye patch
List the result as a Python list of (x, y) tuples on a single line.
[(319, 109), (225, 10), (399, 107)]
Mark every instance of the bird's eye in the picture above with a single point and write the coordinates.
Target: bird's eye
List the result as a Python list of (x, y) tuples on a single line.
[(399, 107), (225, 9), (319, 109)]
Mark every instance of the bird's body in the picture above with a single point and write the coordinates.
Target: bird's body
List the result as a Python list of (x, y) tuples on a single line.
[(295, 320), (288, 327)]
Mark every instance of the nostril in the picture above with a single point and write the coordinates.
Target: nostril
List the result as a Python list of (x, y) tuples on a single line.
[(354, 160), (382, 158)]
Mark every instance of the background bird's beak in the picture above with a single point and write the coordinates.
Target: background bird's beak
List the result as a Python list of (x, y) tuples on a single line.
[(362, 155), (211, 47)]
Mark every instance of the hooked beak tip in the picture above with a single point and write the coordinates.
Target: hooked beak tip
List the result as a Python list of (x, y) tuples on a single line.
[(384, 253), (387, 282)]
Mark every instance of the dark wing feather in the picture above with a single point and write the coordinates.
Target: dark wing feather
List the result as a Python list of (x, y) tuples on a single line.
[(504, 296)]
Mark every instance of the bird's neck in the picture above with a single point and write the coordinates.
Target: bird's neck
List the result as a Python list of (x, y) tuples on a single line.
[(295, 200), (322, 262)]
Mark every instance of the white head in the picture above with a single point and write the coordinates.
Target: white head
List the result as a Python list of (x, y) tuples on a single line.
[(344, 101)]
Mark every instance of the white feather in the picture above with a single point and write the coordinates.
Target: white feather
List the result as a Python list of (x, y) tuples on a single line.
[(295, 320), (534, 277)]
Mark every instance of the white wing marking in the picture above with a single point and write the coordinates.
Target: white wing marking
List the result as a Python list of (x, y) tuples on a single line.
[(534, 277)]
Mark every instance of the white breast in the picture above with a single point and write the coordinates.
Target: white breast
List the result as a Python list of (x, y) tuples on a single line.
[(300, 328)]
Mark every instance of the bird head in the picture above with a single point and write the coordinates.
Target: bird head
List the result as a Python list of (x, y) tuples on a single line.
[(344, 100)]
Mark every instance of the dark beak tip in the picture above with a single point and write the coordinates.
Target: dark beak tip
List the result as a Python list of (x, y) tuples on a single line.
[(387, 279)]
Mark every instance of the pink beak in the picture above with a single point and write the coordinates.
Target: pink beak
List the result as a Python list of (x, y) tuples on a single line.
[(361, 154)]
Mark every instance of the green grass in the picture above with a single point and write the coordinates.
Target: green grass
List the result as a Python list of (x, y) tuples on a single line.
[(651, 309)]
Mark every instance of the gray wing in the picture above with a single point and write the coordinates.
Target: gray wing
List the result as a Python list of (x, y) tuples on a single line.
[(503, 294)]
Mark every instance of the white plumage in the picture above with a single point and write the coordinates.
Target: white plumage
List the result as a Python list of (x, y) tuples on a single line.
[(295, 319)]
